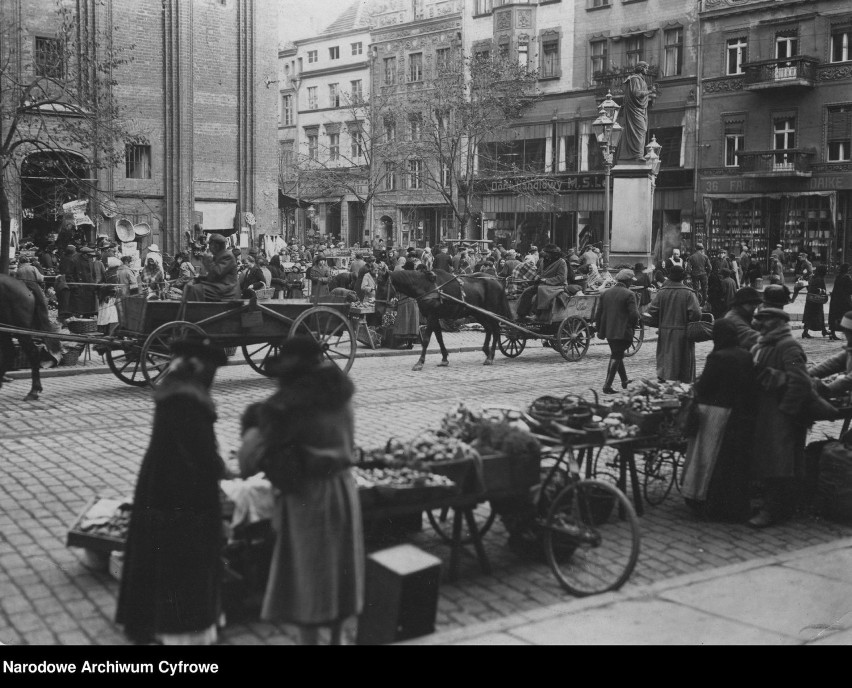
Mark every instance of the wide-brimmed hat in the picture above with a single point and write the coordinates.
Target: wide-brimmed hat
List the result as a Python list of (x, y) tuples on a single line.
[(153, 248), (747, 295), (197, 347), (771, 312)]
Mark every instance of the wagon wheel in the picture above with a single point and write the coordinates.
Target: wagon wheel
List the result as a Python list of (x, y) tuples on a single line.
[(126, 365), (573, 338), (638, 338), (511, 343), (156, 351), (333, 332), (442, 521), (258, 355)]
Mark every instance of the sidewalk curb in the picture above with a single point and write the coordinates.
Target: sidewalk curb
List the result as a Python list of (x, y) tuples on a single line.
[(608, 599)]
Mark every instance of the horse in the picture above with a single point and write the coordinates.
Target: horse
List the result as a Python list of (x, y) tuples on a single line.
[(482, 291), (20, 308)]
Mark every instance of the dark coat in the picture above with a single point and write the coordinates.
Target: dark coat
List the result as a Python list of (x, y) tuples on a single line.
[(443, 261), (220, 282), (779, 438), (746, 334), (841, 300), (172, 571), (617, 313), (84, 298), (813, 317), (675, 306), (728, 381)]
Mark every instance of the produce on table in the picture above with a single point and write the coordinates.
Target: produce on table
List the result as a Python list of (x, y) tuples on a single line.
[(616, 427), (398, 477), (647, 396)]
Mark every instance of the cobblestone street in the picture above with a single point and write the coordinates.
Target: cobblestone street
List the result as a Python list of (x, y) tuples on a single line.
[(86, 438)]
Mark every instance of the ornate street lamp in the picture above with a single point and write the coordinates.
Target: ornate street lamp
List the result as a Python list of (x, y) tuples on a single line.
[(608, 133), (652, 158)]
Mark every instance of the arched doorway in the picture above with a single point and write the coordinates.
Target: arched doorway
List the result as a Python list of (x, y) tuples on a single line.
[(386, 230), (49, 179)]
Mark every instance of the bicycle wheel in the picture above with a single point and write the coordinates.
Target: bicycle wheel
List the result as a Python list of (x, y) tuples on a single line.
[(588, 546), (659, 469), (441, 521)]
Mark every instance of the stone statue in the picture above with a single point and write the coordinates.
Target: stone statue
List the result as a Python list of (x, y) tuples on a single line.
[(635, 122)]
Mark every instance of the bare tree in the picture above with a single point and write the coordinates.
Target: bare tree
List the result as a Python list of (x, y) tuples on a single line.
[(464, 105), (60, 101)]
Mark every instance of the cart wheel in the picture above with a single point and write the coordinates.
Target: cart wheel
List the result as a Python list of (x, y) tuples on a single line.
[(332, 330), (257, 355), (441, 520), (511, 343), (589, 547), (638, 338), (660, 472), (126, 365), (156, 351), (573, 338)]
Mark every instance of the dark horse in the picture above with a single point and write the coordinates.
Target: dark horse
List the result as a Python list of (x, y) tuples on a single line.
[(21, 307), (484, 292)]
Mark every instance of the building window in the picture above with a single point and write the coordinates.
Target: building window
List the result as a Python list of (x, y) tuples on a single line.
[(312, 56), (734, 143), (137, 161), (313, 146), (415, 174), (312, 98), (48, 57), (523, 53), (598, 3), (357, 48), (390, 71), (840, 44), (839, 133), (333, 96), (483, 6), (674, 52), (599, 56), (445, 174), (356, 90), (635, 49), (390, 177), (390, 130), (786, 46), (415, 128), (737, 51), (415, 67), (442, 60), (550, 58), (287, 110), (784, 139), (334, 52), (334, 146), (355, 150)]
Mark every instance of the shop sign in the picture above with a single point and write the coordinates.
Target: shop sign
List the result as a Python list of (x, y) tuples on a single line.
[(542, 185), (749, 185)]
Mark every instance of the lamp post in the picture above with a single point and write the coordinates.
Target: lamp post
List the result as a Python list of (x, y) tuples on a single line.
[(652, 158), (608, 133)]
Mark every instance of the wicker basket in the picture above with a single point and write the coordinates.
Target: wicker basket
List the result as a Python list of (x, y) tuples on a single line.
[(83, 326), (265, 294), (70, 357)]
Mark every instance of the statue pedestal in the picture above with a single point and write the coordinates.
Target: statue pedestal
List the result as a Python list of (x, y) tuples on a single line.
[(632, 210)]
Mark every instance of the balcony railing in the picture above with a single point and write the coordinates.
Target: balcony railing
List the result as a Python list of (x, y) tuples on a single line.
[(788, 162), (771, 74), (612, 80)]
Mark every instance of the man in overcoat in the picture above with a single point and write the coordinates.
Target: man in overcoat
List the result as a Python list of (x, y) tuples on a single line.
[(220, 281), (741, 313), (615, 320), (676, 306)]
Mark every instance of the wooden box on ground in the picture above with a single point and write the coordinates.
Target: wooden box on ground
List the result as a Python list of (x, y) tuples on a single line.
[(401, 597)]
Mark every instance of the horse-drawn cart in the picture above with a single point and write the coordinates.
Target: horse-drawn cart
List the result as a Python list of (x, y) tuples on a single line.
[(148, 328)]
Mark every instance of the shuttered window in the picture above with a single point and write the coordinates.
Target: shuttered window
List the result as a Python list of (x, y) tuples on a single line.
[(839, 133)]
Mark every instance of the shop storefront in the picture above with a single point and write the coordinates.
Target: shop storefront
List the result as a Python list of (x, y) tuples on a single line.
[(802, 214)]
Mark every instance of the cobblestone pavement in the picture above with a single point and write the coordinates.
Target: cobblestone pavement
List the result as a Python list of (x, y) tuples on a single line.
[(87, 434)]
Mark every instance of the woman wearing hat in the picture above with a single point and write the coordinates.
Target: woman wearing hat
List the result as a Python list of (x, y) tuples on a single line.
[(616, 320), (778, 449), (319, 275), (716, 471), (741, 314), (304, 441), (170, 582), (813, 317)]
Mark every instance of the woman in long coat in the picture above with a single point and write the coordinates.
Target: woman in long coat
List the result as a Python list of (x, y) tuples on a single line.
[(717, 470), (783, 392), (675, 306), (406, 327), (304, 442), (171, 578), (813, 317), (319, 275), (841, 299)]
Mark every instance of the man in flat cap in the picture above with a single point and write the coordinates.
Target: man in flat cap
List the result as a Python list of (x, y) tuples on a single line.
[(220, 281), (615, 320)]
